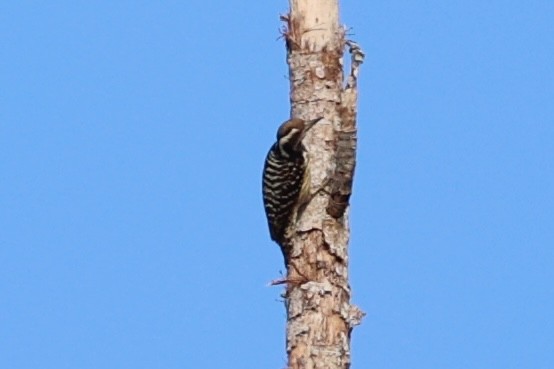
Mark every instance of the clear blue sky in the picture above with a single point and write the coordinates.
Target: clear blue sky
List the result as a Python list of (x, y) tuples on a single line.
[(132, 137)]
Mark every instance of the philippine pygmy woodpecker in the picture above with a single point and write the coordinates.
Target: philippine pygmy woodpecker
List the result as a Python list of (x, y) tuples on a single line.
[(286, 179)]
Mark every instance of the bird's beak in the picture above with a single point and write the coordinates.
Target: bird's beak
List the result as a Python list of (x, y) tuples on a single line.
[(311, 123)]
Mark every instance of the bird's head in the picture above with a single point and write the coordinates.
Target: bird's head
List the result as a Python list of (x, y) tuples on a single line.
[(291, 133)]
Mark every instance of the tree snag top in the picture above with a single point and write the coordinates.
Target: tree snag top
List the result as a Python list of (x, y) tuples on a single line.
[(314, 24)]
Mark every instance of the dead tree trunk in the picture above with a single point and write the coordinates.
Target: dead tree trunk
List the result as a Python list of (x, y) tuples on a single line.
[(320, 317)]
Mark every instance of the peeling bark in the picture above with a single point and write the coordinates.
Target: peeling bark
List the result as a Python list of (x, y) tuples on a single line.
[(320, 316)]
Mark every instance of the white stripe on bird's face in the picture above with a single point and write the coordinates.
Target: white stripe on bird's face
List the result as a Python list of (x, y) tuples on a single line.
[(286, 139)]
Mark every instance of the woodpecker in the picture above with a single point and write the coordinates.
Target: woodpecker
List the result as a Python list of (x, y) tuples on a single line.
[(286, 178)]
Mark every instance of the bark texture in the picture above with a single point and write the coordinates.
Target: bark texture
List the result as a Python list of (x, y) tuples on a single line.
[(320, 316)]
